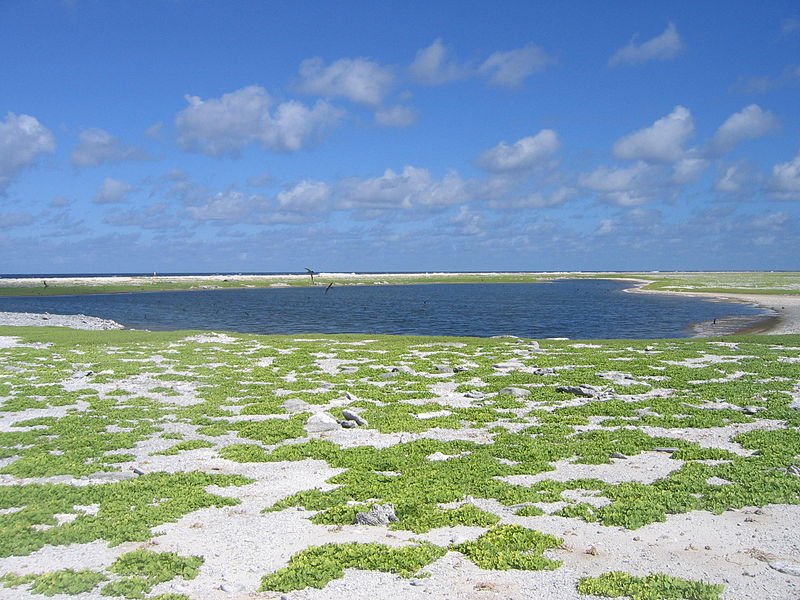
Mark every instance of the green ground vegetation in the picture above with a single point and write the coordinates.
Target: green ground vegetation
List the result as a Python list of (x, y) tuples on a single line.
[(457, 445), (655, 586), (133, 575)]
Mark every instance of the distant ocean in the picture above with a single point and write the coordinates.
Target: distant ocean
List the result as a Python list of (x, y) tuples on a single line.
[(576, 309)]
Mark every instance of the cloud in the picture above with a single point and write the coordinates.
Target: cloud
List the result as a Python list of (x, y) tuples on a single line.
[(688, 170), (510, 69), (22, 139), (226, 125), (155, 216), (435, 65), (412, 187), (223, 206), (628, 186), (606, 227), (749, 123), (666, 46), (15, 219), (113, 191), (774, 220), (523, 154), (785, 181), (732, 180), (538, 199), (396, 116), (790, 26), (468, 222), (97, 146), (762, 85), (662, 141), (306, 195), (154, 131), (359, 80)]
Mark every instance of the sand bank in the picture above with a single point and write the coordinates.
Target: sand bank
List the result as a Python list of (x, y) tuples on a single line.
[(48, 320)]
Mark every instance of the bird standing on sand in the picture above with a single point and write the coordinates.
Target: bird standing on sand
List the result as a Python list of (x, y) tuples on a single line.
[(44, 283)]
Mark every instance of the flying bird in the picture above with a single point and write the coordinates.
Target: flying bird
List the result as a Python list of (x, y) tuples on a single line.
[(330, 285), (312, 273)]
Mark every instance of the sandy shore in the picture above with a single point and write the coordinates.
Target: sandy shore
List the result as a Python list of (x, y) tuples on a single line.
[(782, 318), (47, 320)]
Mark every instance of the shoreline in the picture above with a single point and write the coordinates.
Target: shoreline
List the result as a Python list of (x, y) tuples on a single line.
[(782, 315)]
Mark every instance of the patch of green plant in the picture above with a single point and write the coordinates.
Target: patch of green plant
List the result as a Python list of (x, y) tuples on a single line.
[(187, 445), (66, 581), (656, 586), (317, 566), (128, 510), (511, 547)]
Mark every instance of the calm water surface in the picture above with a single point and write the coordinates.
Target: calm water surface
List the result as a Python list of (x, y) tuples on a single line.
[(577, 309)]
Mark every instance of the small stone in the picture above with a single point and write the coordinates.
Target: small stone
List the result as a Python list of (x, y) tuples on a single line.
[(585, 391), (444, 369), (618, 455), (667, 449), (350, 396), (321, 422), (785, 567), (354, 416), (474, 394), (516, 392), (753, 410), (707, 547), (294, 405), (592, 550), (348, 424), (460, 368)]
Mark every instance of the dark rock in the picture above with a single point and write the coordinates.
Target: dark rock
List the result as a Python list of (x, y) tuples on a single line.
[(379, 514), (353, 416), (586, 391)]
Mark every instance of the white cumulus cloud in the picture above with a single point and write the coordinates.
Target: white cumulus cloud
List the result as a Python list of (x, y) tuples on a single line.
[(662, 141), (749, 123), (436, 65), (22, 139), (688, 170), (97, 146), (113, 191), (412, 187), (396, 116), (306, 195), (222, 206), (227, 124), (358, 79), (510, 69), (785, 181), (665, 46), (523, 154), (627, 186)]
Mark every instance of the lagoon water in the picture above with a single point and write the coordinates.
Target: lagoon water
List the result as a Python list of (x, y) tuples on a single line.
[(576, 309)]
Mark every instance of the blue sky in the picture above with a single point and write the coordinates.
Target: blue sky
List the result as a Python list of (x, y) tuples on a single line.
[(364, 136)]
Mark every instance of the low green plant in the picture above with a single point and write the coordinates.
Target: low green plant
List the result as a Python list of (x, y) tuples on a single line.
[(511, 547), (317, 566), (656, 586)]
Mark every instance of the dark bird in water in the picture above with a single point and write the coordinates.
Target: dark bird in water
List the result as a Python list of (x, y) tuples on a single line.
[(312, 273), (330, 285)]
